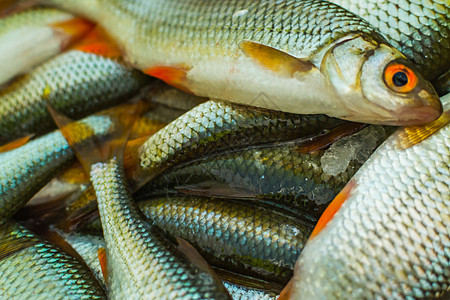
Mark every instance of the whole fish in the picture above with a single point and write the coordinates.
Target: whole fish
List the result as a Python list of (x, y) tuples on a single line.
[(76, 82), (420, 29), (33, 36), (307, 57), (31, 268), (216, 125), (390, 238), (284, 173), (141, 263), (25, 170)]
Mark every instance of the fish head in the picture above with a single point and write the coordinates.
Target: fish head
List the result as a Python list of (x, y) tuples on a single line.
[(379, 85)]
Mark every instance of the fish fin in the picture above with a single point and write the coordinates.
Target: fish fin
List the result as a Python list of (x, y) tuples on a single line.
[(332, 208), (173, 75), (192, 254), (275, 60), (215, 189), (73, 29), (79, 218), (101, 253), (286, 293), (335, 134), (88, 147), (98, 42), (131, 159), (413, 135), (11, 246), (74, 175), (16, 143)]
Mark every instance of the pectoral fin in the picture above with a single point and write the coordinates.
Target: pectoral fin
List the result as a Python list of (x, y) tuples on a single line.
[(275, 60)]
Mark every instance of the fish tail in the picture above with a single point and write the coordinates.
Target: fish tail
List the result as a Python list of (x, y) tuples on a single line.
[(91, 148)]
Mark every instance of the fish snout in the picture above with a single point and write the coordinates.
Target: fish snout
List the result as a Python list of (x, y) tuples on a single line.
[(421, 114)]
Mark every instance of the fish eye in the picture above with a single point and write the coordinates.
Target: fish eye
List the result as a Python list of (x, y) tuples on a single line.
[(400, 78)]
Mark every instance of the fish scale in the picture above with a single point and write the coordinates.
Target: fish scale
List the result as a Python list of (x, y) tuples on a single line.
[(76, 83), (391, 236), (39, 270)]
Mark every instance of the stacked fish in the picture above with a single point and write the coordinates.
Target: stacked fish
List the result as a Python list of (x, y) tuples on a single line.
[(265, 165)]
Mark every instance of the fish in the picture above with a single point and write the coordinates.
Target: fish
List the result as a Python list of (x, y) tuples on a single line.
[(31, 37), (77, 82), (305, 57), (239, 292), (419, 29), (386, 235), (25, 170), (135, 248), (216, 125), (242, 237), (304, 181), (32, 268)]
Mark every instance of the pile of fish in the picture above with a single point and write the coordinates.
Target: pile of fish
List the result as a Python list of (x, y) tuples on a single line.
[(235, 149)]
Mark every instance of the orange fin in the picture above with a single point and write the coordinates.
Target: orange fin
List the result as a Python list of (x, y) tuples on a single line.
[(16, 143), (286, 293), (175, 76), (90, 148), (101, 253), (413, 135), (332, 136), (275, 60), (192, 254), (74, 29), (98, 42), (331, 210), (74, 175)]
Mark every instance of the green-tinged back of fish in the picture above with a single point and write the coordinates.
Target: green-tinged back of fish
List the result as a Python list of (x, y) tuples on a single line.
[(390, 238), (76, 83), (420, 29), (217, 125), (31, 268)]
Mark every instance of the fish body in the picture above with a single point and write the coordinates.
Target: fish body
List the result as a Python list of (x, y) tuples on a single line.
[(216, 125), (420, 29), (390, 238), (239, 292), (33, 36), (31, 268), (76, 83), (307, 57), (25, 170), (282, 173)]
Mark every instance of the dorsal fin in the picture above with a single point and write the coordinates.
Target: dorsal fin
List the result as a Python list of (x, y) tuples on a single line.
[(16, 143), (102, 258)]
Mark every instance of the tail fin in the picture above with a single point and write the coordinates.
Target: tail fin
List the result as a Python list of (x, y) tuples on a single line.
[(91, 148)]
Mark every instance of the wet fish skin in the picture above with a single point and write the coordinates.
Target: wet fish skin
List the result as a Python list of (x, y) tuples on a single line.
[(242, 237), (162, 272), (244, 293), (31, 37), (310, 39), (390, 238), (39, 270), (419, 29), (216, 125), (75, 83), (282, 173), (25, 170)]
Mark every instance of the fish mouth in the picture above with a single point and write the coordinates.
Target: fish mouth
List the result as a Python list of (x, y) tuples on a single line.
[(418, 115)]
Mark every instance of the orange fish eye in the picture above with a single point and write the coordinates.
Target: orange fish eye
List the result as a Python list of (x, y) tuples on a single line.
[(400, 78)]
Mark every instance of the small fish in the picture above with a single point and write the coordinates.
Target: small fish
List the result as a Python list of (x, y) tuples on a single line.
[(32, 268), (306, 57), (29, 38), (285, 173), (386, 235), (420, 29), (216, 125), (76, 82), (141, 263), (25, 170)]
